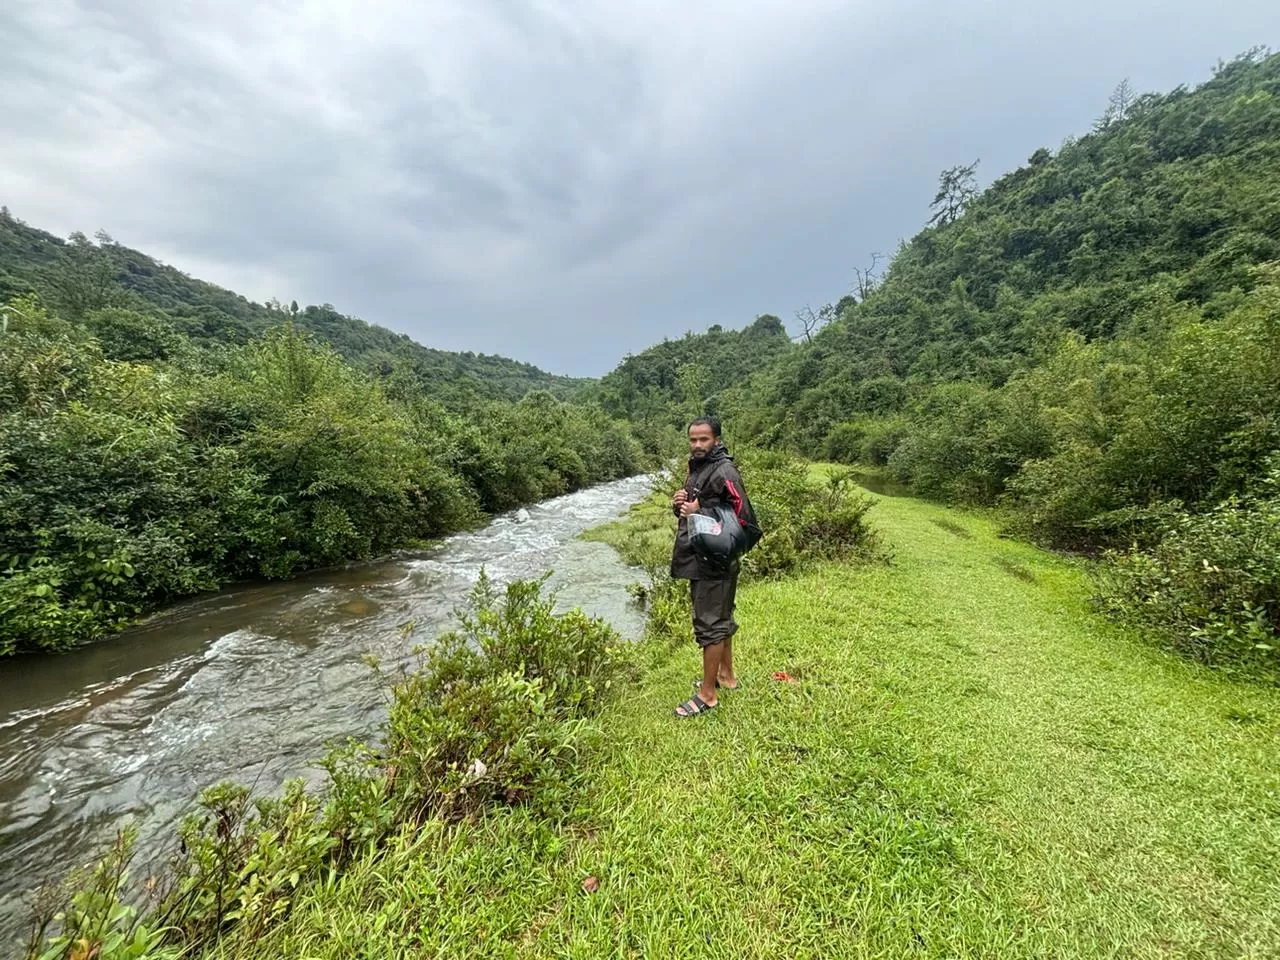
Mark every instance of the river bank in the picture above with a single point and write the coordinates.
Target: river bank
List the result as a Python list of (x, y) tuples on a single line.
[(970, 762), (250, 685)]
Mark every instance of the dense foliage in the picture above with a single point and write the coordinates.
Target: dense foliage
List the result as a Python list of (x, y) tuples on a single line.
[(1172, 203), (665, 386), (129, 483), (1212, 580), (1094, 343)]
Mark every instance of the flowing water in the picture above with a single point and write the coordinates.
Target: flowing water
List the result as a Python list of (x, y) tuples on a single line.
[(250, 684)]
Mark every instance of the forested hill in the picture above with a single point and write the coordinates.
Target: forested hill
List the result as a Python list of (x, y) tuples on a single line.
[(155, 302), (677, 379), (1172, 197), (162, 437)]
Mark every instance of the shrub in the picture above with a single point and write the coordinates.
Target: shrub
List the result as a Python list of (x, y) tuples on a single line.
[(881, 438), (844, 443), (803, 523), (493, 715), (1211, 582)]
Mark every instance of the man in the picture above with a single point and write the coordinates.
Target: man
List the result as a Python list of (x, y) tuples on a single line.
[(712, 480)]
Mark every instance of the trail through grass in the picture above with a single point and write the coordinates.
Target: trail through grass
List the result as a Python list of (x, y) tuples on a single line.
[(971, 764)]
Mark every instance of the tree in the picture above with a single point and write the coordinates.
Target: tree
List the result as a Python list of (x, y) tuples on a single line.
[(813, 322), (864, 281), (1119, 105), (86, 278), (808, 322), (956, 187)]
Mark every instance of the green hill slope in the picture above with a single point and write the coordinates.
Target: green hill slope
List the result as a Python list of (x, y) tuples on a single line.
[(1176, 200), (1092, 344), (80, 276), (661, 387)]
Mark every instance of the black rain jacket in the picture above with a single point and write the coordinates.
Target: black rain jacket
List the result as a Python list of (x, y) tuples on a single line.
[(712, 480)]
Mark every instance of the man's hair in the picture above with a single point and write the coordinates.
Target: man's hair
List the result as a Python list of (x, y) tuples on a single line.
[(712, 422)]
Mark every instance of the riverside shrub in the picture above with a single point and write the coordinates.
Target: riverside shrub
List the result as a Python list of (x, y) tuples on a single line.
[(127, 484), (498, 714)]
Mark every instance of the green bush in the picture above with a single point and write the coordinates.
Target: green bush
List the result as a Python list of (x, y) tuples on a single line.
[(492, 716), (844, 444), (1211, 582), (804, 521), (967, 441), (240, 859), (880, 439)]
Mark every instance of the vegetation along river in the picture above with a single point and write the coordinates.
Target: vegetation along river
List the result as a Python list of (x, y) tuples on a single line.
[(250, 684)]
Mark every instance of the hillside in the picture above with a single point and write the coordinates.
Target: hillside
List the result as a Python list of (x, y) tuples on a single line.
[(663, 386), (1174, 199), (80, 276)]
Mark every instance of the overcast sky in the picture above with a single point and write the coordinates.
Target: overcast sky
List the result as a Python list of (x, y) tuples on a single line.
[(561, 182)]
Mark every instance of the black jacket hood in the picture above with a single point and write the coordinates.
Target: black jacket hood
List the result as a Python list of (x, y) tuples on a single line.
[(715, 454)]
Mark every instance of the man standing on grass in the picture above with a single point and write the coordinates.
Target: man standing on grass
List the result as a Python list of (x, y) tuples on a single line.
[(712, 480)]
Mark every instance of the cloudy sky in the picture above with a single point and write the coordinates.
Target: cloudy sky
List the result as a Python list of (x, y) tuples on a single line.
[(562, 181)]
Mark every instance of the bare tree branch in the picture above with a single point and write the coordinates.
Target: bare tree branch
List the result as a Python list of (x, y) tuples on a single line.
[(957, 186)]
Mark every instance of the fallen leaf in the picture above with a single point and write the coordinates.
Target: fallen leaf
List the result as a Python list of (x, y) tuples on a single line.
[(783, 677), (591, 884)]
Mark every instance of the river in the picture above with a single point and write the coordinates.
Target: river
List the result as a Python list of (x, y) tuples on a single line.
[(250, 684)]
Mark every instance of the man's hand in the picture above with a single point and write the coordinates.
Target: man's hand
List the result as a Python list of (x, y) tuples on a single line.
[(688, 507), (681, 496)]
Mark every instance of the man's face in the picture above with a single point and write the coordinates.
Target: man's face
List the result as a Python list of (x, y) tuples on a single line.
[(701, 440)]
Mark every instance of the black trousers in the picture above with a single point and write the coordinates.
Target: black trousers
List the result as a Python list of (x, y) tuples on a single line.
[(713, 602)]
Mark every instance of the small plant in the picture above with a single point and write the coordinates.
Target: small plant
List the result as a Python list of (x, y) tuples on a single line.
[(241, 858), (96, 923)]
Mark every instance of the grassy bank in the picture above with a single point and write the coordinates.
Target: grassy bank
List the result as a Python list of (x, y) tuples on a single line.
[(970, 764)]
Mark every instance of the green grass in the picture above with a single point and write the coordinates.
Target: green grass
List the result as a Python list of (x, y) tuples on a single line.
[(972, 764)]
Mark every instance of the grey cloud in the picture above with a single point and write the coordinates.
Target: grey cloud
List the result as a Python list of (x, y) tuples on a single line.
[(562, 182)]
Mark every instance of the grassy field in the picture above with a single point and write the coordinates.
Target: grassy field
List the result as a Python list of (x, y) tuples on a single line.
[(970, 764)]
